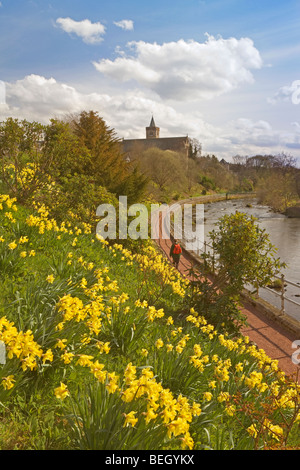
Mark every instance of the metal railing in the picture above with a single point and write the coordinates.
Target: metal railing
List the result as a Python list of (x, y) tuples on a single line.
[(279, 292), (278, 289)]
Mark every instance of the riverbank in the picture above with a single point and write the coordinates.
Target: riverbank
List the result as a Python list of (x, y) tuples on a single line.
[(293, 212), (269, 303), (210, 198)]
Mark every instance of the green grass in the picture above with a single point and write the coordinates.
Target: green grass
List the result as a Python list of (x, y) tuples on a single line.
[(126, 360)]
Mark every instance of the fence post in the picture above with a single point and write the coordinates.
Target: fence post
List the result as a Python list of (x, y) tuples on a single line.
[(282, 294)]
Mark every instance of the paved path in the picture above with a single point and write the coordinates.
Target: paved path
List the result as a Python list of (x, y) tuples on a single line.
[(274, 339)]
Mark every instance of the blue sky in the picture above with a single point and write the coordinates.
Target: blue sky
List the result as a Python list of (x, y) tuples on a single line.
[(224, 72)]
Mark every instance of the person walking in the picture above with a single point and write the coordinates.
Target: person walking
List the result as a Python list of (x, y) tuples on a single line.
[(175, 253)]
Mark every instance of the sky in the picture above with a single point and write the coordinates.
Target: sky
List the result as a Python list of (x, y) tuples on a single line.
[(226, 73)]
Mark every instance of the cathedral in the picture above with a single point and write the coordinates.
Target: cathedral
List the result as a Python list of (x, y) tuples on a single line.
[(153, 139)]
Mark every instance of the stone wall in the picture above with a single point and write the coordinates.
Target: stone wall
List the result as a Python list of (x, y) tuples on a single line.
[(176, 144)]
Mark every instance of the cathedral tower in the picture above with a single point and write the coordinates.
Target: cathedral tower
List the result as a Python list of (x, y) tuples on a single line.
[(152, 132)]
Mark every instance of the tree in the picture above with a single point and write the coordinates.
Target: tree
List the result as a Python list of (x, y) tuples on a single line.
[(195, 149), (284, 162), (242, 255), (298, 183), (107, 164), (278, 188), (88, 167), (239, 160), (273, 177), (77, 163), (220, 176), (67, 154), (164, 167), (260, 161), (133, 186), (22, 167)]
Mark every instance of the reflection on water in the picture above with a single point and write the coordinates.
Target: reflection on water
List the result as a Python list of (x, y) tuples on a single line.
[(284, 233)]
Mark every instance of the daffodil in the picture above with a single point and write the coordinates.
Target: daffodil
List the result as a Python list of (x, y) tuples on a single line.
[(252, 430), (230, 410), (103, 347), (130, 419), (187, 441), (12, 245), (239, 367), (207, 396), (47, 356), (61, 392), (224, 396), (67, 357), (8, 382), (61, 344), (159, 343), (23, 240), (177, 427), (84, 360), (150, 415)]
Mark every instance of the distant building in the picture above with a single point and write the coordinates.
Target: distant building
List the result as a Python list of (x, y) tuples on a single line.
[(153, 139)]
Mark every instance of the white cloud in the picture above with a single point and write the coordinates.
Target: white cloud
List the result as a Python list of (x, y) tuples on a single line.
[(38, 98), (129, 112), (290, 93), (185, 70), (293, 142), (127, 25), (90, 33), (253, 133)]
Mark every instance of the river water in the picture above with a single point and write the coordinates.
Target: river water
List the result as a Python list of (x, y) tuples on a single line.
[(284, 234)]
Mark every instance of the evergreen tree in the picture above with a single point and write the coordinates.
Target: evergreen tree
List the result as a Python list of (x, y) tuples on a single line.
[(108, 166)]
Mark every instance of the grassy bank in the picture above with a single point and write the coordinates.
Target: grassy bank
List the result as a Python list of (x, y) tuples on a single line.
[(103, 352)]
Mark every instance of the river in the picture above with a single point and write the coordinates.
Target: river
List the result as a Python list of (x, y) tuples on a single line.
[(284, 234)]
